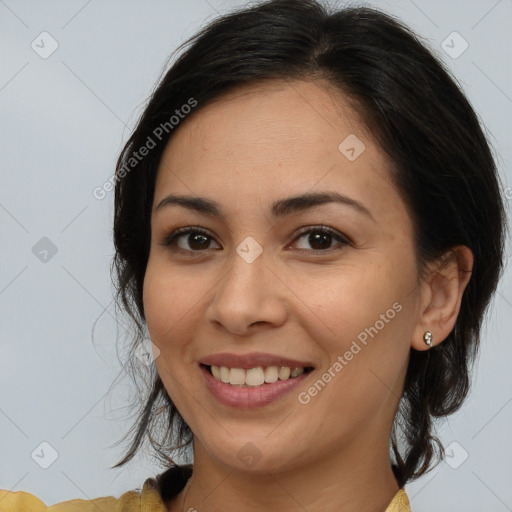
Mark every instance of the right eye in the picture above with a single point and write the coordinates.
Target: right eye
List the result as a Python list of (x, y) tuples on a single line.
[(188, 240)]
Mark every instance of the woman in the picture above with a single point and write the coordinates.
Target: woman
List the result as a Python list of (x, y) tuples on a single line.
[(308, 223)]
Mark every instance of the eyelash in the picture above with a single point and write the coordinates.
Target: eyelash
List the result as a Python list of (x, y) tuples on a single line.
[(169, 240)]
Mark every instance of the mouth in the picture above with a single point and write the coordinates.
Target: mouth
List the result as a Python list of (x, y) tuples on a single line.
[(257, 376), (254, 379)]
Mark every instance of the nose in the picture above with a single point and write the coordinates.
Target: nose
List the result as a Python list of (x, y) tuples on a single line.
[(248, 295)]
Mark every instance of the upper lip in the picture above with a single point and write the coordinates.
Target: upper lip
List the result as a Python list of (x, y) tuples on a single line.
[(252, 360)]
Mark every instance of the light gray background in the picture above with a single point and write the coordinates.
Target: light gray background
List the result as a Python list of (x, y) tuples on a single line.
[(64, 120)]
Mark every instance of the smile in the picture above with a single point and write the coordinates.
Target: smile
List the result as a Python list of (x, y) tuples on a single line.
[(254, 377)]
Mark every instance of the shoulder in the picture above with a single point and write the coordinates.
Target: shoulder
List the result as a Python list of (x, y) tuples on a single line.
[(155, 492), (147, 500), (20, 501), (400, 503)]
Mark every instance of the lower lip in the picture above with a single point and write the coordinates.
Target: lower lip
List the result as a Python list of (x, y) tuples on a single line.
[(247, 397)]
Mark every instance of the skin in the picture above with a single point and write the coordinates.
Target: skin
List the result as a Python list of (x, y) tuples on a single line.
[(249, 148)]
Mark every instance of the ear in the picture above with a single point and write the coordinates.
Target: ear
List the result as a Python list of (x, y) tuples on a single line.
[(441, 295)]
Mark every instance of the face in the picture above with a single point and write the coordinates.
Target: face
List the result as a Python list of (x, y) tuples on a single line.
[(329, 281)]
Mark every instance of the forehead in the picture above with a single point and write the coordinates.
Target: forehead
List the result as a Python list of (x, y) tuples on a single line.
[(302, 117), (275, 139)]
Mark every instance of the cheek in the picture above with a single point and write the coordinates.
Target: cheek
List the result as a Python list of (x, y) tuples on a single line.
[(363, 322), (366, 342), (346, 301), (168, 305), (171, 312)]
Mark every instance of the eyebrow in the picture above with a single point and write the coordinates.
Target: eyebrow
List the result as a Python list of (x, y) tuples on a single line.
[(280, 208)]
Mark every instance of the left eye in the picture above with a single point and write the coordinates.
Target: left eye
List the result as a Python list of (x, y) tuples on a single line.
[(320, 239)]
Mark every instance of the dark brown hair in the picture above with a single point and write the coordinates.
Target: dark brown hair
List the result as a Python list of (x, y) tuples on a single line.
[(441, 160)]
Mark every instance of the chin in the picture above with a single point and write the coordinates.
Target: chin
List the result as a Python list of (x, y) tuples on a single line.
[(256, 456)]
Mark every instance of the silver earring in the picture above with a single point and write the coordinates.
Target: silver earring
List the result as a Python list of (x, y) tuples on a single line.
[(427, 338)]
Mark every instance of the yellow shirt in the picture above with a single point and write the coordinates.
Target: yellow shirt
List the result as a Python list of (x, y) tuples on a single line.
[(148, 500)]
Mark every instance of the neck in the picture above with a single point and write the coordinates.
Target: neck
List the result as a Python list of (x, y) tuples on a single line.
[(356, 479)]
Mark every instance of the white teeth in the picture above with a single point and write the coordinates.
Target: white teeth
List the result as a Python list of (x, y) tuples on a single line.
[(296, 372), (284, 372), (236, 376), (271, 374), (216, 372), (224, 374), (254, 376)]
